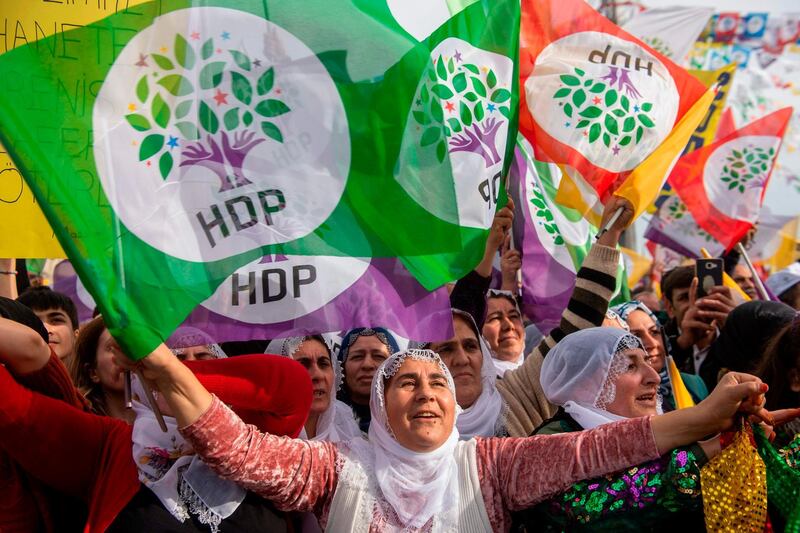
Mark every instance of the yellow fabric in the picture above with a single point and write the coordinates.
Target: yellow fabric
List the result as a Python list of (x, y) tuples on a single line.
[(709, 78), (24, 228), (735, 488), (727, 281), (788, 251), (640, 265), (679, 391)]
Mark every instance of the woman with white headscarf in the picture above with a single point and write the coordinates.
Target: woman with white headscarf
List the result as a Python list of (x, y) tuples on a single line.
[(599, 376), (469, 359), (329, 419), (414, 474), (191, 344)]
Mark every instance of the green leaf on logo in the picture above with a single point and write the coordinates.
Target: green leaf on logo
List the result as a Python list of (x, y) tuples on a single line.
[(165, 164), (211, 75), (618, 113), (607, 140), (579, 97), (430, 136), (734, 174), (441, 70), (591, 112), (142, 90), (241, 88), (420, 117), (568, 110), (466, 114), (594, 132), (441, 150), (188, 130), (625, 141), (150, 146), (611, 98), (160, 111), (572, 81), (538, 203), (491, 79), (163, 62), (207, 49), (478, 87), (561, 93), (647, 106), (644, 119), (732, 185), (272, 131), (139, 122), (442, 91), (182, 109), (455, 125), (505, 111), (451, 66), (629, 124), (598, 87), (267, 80), (436, 111), (625, 103), (738, 164), (424, 95), (500, 96), (460, 82), (271, 108), (471, 96), (583, 123), (639, 133), (241, 59), (579, 72), (611, 124), (176, 84), (231, 119), (208, 119), (183, 52), (247, 118), (478, 112), (470, 67)]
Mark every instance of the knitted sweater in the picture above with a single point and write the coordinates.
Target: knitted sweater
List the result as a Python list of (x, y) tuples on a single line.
[(521, 388)]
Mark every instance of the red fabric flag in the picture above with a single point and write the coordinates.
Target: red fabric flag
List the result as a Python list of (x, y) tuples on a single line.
[(727, 125), (723, 184), (610, 110)]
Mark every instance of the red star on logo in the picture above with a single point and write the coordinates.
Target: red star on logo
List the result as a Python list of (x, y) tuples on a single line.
[(596, 100), (221, 97), (449, 106), (195, 35)]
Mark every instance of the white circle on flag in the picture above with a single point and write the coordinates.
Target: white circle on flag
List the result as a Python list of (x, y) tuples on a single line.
[(285, 288), (419, 18), (451, 156), (735, 174), (606, 97), (217, 132)]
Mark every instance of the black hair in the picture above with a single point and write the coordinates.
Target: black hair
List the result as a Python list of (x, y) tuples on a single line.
[(44, 298), (678, 278)]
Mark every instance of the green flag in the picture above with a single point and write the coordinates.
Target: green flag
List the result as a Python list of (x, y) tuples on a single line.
[(173, 142)]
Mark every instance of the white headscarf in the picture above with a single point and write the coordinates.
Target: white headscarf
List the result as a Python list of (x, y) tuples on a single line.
[(337, 423), (179, 479), (485, 417), (417, 486), (187, 337), (580, 371)]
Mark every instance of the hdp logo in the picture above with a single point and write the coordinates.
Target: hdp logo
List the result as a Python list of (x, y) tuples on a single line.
[(220, 132), (608, 98), (459, 117)]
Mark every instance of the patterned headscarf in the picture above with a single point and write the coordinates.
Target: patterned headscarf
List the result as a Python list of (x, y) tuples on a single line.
[(187, 336), (383, 335)]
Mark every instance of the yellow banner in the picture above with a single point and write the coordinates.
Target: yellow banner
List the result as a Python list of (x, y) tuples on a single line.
[(24, 229), (722, 81)]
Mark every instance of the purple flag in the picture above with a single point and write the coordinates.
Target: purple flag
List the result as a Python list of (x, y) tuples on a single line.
[(72, 287), (282, 296), (553, 240)]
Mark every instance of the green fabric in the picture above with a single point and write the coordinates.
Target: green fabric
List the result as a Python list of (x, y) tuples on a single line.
[(783, 478), (376, 68)]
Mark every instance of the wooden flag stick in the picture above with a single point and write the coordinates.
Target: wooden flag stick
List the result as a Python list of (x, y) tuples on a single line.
[(762, 291), (608, 225)]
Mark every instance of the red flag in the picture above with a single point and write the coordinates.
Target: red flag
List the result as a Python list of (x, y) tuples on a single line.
[(610, 110), (723, 184)]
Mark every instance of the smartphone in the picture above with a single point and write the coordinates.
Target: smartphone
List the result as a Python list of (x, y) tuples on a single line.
[(709, 274)]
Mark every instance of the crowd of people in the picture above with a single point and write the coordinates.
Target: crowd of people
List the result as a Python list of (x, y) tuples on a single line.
[(498, 428)]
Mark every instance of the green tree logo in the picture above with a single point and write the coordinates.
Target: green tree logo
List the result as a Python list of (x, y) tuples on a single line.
[(657, 44), (461, 104), (747, 168), (602, 111), (211, 128)]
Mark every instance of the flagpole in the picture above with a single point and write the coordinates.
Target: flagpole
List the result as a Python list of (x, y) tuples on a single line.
[(762, 291), (152, 401), (608, 225), (128, 397)]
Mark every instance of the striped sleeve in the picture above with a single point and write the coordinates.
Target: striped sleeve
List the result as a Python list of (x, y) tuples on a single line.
[(521, 388)]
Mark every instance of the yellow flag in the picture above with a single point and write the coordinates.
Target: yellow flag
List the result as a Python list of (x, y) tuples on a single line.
[(640, 265), (24, 229), (721, 80), (679, 391)]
